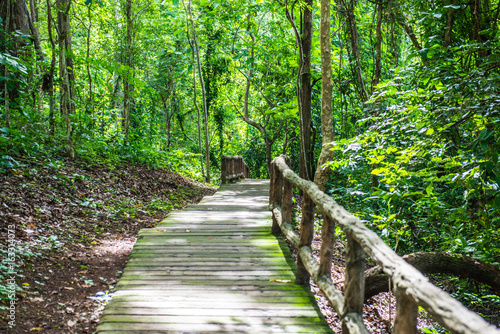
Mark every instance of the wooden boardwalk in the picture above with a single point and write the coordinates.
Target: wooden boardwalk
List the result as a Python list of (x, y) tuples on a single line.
[(213, 268)]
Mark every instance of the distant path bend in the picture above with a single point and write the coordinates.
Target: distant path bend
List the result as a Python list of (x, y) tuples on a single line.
[(213, 268)]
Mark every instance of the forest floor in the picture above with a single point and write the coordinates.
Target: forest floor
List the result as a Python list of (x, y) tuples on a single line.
[(75, 225)]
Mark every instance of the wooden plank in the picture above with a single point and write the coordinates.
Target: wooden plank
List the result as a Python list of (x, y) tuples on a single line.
[(215, 300), (263, 321), (203, 283), (191, 304), (148, 328), (167, 312), (215, 293)]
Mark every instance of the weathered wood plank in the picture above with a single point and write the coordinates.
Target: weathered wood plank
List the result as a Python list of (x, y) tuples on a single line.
[(207, 328), (159, 310)]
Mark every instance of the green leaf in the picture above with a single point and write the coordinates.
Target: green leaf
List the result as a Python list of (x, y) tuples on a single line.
[(429, 131), (377, 171), (429, 190)]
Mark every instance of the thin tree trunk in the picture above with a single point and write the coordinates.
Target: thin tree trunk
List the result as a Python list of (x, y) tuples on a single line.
[(449, 24), (194, 91), (393, 42), (351, 22), (203, 95), (378, 47), (90, 109), (8, 29), (199, 120), (305, 74), (50, 75), (128, 62), (63, 22)]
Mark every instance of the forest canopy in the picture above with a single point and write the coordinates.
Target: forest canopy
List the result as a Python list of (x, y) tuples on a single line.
[(414, 146)]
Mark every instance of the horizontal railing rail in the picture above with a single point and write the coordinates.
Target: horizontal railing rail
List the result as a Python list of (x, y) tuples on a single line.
[(233, 168), (411, 288)]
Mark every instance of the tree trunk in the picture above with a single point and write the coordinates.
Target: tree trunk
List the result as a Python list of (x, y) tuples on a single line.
[(66, 82), (127, 87), (322, 174), (351, 24), (306, 91), (203, 94), (194, 92), (378, 48), (49, 77), (434, 263), (90, 104), (449, 24), (8, 28)]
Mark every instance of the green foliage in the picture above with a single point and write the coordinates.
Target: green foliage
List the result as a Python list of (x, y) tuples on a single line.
[(427, 162)]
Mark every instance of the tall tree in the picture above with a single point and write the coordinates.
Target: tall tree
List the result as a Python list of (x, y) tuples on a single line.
[(322, 174), (66, 71), (202, 84), (127, 60)]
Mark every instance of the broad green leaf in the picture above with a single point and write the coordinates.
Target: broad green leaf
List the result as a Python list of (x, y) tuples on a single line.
[(429, 190)]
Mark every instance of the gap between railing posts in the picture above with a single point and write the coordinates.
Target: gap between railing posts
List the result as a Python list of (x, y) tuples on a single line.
[(233, 168), (411, 288)]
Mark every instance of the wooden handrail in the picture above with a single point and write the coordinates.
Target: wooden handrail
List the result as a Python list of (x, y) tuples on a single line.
[(412, 288), (233, 168)]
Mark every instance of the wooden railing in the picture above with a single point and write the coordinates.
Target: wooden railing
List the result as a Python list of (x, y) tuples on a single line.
[(412, 288), (233, 168)]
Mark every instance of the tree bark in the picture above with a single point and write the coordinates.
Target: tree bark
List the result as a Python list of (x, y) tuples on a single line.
[(127, 87), (378, 47), (90, 105), (351, 24), (195, 102), (305, 170), (322, 174), (449, 24), (49, 77), (438, 262), (8, 28), (64, 71), (203, 94)]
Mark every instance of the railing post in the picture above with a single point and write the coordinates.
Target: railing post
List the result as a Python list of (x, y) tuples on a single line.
[(354, 288), (306, 236), (240, 166), (286, 200), (275, 195), (223, 169), (406, 313), (327, 242)]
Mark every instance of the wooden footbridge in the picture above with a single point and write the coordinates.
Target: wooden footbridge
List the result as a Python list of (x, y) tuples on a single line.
[(215, 267)]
